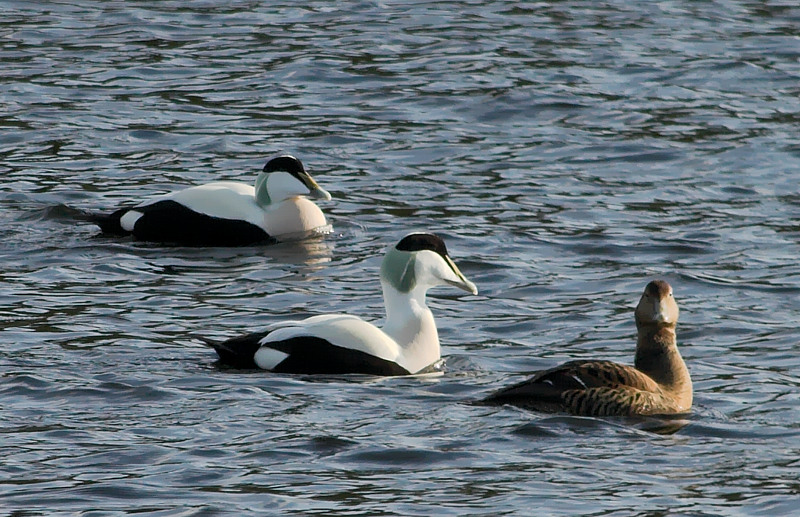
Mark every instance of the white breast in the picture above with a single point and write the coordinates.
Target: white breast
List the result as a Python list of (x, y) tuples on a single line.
[(295, 215)]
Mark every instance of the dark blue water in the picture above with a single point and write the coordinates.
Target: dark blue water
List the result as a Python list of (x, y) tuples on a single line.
[(567, 151)]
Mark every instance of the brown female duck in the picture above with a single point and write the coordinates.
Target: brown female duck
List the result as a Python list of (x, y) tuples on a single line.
[(658, 383)]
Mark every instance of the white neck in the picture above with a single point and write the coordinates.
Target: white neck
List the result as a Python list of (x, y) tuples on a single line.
[(410, 323)]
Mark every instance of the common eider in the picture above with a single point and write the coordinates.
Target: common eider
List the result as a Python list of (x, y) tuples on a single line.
[(228, 213), (657, 383), (408, 342)]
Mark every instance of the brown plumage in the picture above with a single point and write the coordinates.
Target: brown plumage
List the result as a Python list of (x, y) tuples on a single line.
[(658, 383)]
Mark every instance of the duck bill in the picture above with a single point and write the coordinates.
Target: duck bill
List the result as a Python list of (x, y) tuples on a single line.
[(462, 282), (657, 312), (662, 313), (320, 193), (315, 191)]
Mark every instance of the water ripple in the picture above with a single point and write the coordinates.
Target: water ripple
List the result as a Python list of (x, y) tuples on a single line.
[(567, 152)]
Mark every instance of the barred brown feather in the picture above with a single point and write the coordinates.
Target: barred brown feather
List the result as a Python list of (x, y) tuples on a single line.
[(658, 383)]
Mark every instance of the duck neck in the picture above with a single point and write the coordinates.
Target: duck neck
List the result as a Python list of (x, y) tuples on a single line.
[(260, 193), (410, 323), (657, 356)]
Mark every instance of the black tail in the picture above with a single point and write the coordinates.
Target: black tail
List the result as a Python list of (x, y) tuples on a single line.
[(238, 352), (108, 223)]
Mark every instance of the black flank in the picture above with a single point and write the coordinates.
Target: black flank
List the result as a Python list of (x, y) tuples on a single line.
[(313, 355), (171, 222), (307, 355)]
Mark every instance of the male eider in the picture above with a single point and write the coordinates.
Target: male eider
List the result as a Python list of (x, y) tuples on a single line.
[(228, 213), (408, 343), (657, 384)]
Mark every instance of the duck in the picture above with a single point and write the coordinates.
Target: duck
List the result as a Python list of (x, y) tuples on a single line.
[(658, 383), (408, 342), (228, 213)]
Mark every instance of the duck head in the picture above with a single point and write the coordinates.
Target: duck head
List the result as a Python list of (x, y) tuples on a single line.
[(657, 306), (285, 177), (421, 260)]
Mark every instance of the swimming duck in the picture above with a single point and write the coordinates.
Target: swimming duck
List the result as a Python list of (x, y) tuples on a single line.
[(408, 343), (227, 213), (658, 383)]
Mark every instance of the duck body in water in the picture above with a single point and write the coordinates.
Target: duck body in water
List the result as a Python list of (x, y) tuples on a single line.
[(657, 383), (228, 213), (408, 342)]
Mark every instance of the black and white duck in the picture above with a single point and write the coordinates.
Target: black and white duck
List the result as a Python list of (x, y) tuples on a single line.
[(408, 342), (228, 213)]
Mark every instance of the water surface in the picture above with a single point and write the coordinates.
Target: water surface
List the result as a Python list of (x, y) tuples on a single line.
[(567, 151)]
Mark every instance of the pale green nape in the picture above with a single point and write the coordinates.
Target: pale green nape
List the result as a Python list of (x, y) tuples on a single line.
[(398, 270), (262, 196)]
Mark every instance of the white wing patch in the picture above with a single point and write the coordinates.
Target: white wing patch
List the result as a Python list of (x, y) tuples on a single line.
[(223, 199), (341, 330)]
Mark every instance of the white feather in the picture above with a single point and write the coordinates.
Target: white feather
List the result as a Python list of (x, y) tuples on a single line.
[(128, 220), (341, 330), (268, 358), (282, 185), (236, 201), (580, 381), (223, 199)]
